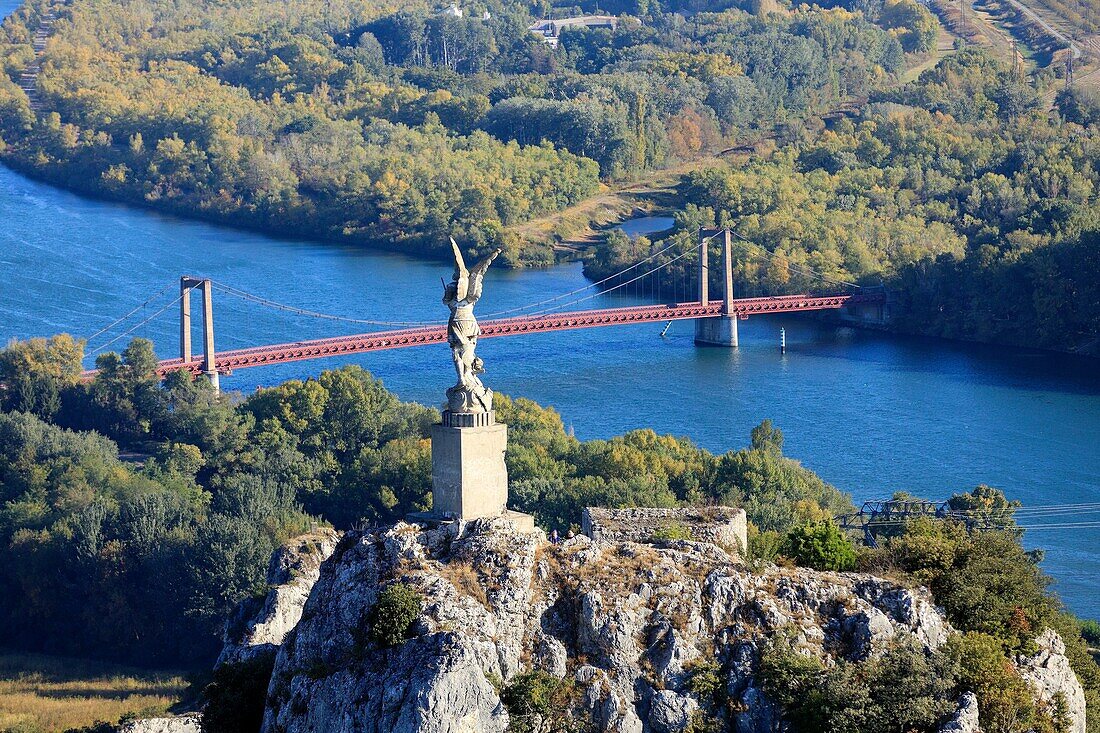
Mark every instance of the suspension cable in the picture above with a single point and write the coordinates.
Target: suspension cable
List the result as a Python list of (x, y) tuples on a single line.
[(136, 327), (313, 314), (639, 263), (117, 321), (620, 285), (805, 271)]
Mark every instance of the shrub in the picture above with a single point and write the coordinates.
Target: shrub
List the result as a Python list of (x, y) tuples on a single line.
[(28, 727), (904, 690), (764, 544), (820, 545), (1005, 702), (533, 699), (672, 532), (1091, 631), (397, 608), (784, 674), (706, 681)]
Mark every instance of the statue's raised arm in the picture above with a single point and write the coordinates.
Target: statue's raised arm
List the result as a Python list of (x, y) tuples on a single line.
[(477, 277)]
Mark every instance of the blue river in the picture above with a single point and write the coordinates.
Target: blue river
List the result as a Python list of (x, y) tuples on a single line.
[(871, 413)]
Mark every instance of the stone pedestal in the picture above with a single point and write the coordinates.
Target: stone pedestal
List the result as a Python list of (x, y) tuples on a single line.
[(469, 478)]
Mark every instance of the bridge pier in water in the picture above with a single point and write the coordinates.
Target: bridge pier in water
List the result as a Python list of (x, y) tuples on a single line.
[(187, 284), (720, 330)]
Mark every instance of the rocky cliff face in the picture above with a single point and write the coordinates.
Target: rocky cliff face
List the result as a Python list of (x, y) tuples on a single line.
[(1049, 674), (623, 623), (257, 628)]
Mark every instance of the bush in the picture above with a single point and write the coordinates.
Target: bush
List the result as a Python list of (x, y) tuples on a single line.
[(764, 544), (903, 691), (784, 674), (706, 681), (27, 727), (672, 532), (236, 696), (821, 546), (533, 699), (1091, 631), (397, 608), (1005, 702)]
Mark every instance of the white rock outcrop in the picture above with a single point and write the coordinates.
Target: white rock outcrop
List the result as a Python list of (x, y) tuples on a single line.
[(259, 628), (1050, 676), (190, 723), (965, 719), (624, 623)]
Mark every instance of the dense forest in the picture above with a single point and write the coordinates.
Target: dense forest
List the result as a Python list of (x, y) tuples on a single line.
[(958, 191), (356, 120), (135, 513)]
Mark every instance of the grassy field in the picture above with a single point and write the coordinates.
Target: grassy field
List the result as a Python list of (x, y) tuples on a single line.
[(41, 694)]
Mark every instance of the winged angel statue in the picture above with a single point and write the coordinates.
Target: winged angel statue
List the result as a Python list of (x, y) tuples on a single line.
[(468, 394)]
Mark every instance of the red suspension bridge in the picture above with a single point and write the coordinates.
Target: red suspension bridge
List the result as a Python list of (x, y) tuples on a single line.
[(716, 320)]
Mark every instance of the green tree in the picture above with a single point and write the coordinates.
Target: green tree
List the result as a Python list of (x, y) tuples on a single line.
[(821, 546), (1005, 702), (34, 373)]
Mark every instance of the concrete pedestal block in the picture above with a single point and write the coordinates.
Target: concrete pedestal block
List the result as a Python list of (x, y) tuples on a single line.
[(720, 331), (469, 478), (522, 522)]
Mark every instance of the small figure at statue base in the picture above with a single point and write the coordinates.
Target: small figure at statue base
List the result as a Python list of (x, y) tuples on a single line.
[(470, 395)]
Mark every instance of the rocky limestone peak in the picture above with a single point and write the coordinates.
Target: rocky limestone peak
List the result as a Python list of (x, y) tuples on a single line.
[(258, 627), (622, 623), (1049, 673)]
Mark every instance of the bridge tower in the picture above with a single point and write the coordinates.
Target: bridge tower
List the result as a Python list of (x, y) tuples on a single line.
[(187, 284), (720, 330)]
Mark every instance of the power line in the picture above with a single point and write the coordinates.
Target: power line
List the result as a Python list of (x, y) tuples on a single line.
[(1066, 525), (1025, 507), (1002, 521)]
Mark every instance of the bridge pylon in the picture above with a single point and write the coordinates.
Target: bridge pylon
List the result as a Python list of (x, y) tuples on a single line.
[(187, 284), (718, 330)]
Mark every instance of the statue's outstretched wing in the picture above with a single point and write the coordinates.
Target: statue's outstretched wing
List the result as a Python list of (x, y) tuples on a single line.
[(462, 275), (477, 275)]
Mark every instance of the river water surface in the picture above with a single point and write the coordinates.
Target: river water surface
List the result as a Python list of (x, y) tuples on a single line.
[(871, 413)]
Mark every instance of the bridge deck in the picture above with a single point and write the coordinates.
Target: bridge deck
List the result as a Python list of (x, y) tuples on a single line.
[(227, 361)]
